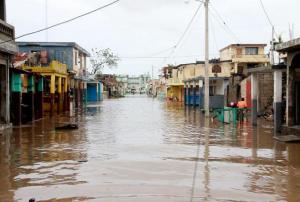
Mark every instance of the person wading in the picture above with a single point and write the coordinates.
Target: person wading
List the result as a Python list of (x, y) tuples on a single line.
[(242, 105)]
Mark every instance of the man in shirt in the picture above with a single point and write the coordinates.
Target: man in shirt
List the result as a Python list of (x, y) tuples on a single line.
[(242, 105)]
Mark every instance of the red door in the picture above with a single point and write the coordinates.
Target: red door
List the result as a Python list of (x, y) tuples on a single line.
[(248, 93)]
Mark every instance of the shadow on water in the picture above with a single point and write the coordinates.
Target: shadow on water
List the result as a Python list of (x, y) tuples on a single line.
[(141, 149)]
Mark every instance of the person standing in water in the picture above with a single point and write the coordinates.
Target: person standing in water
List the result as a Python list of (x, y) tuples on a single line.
[(242, 104)]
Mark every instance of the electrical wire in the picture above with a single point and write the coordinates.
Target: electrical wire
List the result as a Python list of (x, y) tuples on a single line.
[(267, 16), (224, 24), (162, 51), (265, 11), (214, 35), (185, 31), (63, 22)]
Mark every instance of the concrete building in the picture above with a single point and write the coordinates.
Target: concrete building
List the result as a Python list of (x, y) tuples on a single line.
[(287, 88), (219, 73), (68, 53), (229, 77), (122, 86), (241, 58), (138, 84), (7, 49)]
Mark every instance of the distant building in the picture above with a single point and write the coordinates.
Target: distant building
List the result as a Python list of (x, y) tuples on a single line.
[(7, 49), (122, 86), (138, 84)]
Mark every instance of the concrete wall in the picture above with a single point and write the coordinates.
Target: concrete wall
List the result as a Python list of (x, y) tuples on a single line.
[(266, 90), (2, 10)]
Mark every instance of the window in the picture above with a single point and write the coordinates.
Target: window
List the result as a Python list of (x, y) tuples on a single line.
[(76, 57), (251, 50)]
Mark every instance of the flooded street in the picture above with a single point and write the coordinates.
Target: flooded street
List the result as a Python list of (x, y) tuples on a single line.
[(141, 149)]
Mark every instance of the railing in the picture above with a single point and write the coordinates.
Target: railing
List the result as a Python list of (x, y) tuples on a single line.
[(54, 67), (174, 81), (7, 35), (7, 29)]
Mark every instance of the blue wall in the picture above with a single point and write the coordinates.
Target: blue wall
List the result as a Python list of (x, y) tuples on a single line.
[(61, 54), (92, 95)]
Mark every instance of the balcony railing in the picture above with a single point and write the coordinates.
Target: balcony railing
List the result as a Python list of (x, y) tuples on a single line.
[(7, 35), (174, 81)]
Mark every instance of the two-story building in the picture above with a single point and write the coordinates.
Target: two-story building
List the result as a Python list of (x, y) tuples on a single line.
[(68, 53), (242, 58), (7, 49)]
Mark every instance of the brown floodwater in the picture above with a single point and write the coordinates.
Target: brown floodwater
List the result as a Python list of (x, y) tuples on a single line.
[(141, 149)]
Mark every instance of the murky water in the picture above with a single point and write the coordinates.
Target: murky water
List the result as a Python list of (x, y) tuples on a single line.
[(140, 149)]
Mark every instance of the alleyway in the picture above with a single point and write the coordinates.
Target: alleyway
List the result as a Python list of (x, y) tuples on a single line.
[(141, 149)]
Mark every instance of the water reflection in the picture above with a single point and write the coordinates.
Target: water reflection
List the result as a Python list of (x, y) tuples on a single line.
[(140, 149)]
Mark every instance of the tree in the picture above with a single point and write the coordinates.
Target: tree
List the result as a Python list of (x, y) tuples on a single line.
[(103, 58)]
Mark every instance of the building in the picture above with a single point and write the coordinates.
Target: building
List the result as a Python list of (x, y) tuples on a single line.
[(219, 74), (229, 76), (7, 49), (26, 91), (71, 55), (109, 85), (138, 84), (241, 58), (122, 86), (287, 88)]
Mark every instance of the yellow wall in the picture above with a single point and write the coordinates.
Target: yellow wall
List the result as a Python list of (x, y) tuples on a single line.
[(176, 91)]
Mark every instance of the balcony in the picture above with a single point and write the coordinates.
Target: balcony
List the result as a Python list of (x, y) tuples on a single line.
[(7, 35), (242, 58), (175, 82), (55, 67)]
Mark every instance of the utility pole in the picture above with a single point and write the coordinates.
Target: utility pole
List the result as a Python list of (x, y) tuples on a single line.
[(152, 82), (206, 79)]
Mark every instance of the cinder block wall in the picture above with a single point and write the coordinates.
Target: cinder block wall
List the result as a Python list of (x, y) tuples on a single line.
[(266, 89)]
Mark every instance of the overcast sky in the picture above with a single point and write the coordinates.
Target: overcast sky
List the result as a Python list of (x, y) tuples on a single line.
[(143, 28)]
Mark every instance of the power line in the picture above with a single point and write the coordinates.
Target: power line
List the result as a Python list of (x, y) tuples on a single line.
[(267, 16), (265, 11), (63, 22), (223, 23), (162, 51), (214, 35), (185, 31), (157, 57)]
